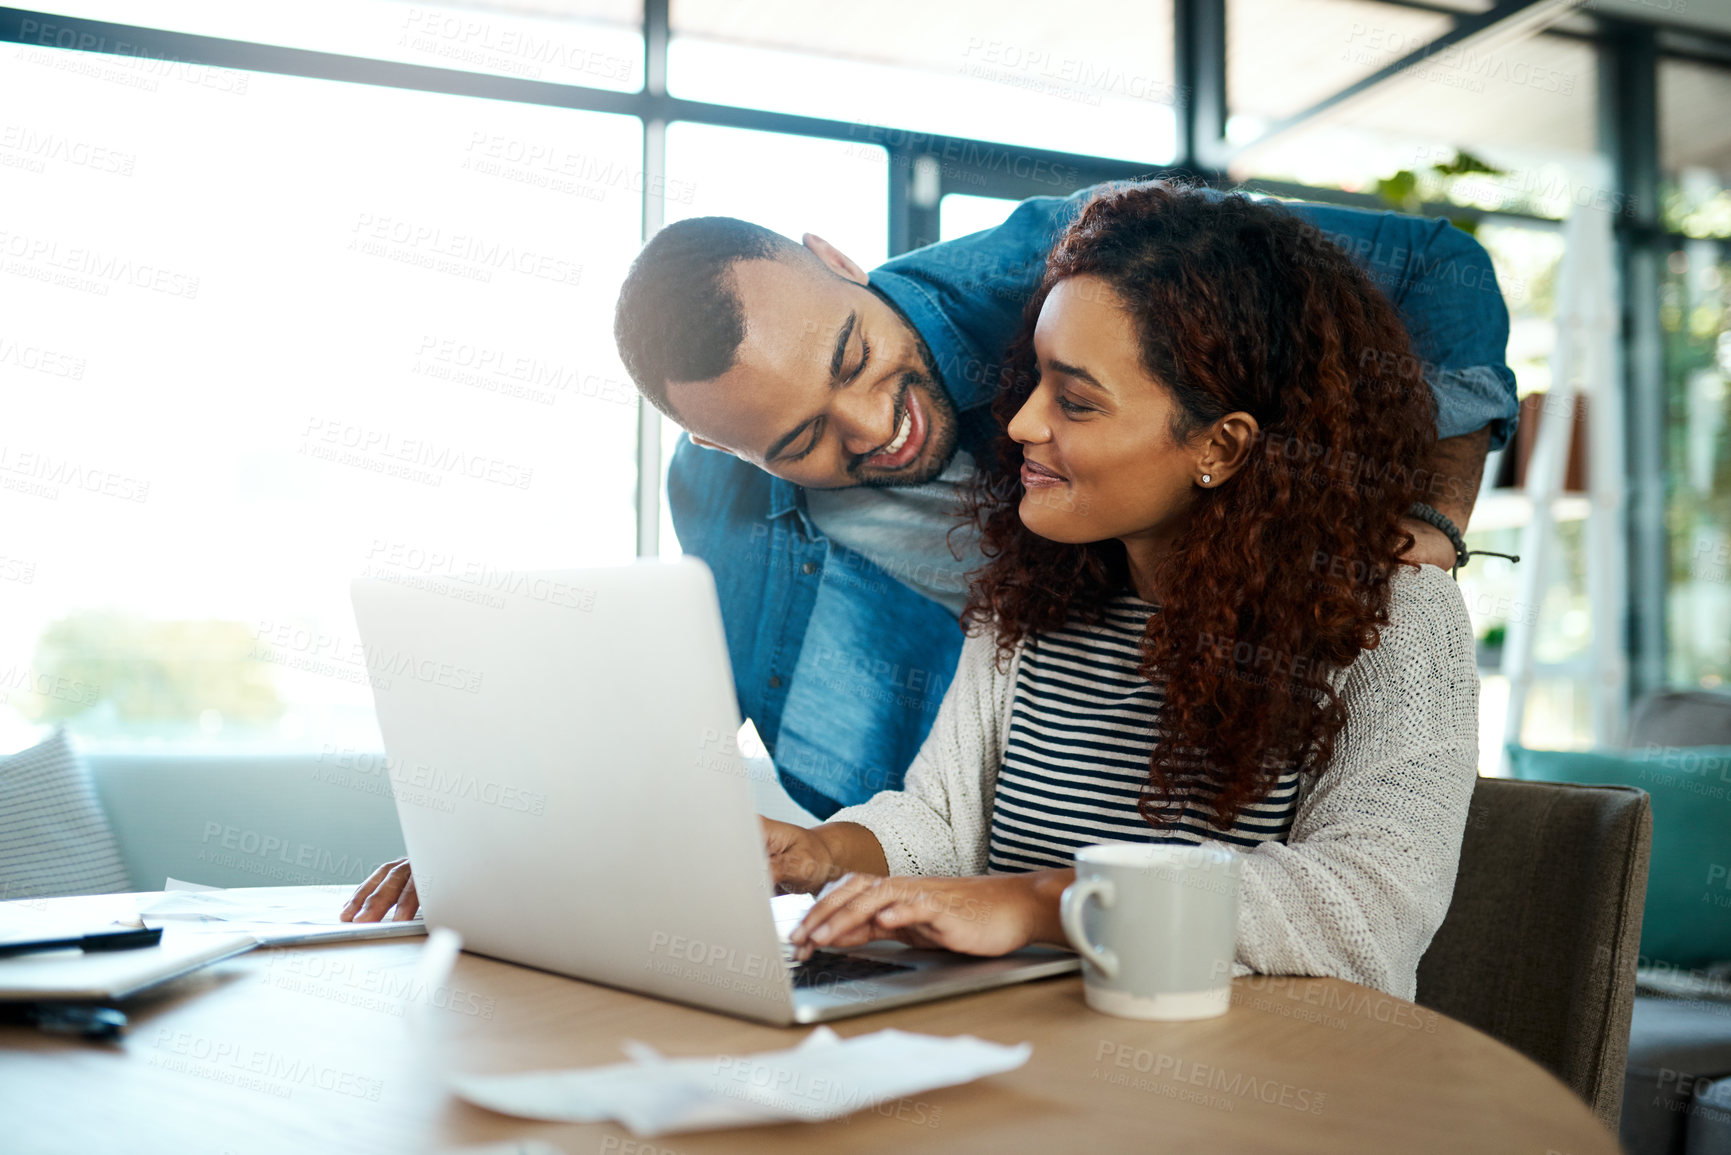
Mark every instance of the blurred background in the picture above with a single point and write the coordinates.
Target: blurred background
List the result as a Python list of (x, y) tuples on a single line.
[(297, 293)]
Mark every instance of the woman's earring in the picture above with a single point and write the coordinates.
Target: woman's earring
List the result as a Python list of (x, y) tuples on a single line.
[(1206, 479)]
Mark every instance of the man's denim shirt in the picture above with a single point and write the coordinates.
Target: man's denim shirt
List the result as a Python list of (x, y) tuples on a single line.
[(844, 696)]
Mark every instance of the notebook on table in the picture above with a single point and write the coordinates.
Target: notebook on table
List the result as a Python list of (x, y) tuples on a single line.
[(73, 975)]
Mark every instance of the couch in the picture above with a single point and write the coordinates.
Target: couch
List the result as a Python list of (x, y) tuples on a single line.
[(246, 820)]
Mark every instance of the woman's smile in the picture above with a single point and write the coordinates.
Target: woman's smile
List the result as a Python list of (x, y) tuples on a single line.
[(1037, 476)]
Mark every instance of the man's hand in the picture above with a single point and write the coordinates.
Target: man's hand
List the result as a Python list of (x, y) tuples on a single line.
[(1430, 546), (988, 915), (390, 885)]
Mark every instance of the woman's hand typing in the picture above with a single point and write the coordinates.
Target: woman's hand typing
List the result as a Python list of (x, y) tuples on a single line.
[(986, 915)]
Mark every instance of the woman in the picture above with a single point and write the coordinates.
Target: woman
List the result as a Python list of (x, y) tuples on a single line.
[(1193, 624)]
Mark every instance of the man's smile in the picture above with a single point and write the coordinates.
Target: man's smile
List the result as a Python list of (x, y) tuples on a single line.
[(910, 437)]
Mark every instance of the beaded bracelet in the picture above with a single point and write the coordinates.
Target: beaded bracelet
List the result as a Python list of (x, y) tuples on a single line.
[(1450, 530)]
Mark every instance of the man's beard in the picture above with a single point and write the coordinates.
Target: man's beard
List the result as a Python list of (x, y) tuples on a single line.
[(942, 423)]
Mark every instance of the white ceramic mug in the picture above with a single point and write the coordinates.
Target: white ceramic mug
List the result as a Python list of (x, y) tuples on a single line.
[(1157, 928)]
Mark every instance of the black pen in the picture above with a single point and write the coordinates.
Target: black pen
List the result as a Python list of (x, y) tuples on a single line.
[(128, 939)]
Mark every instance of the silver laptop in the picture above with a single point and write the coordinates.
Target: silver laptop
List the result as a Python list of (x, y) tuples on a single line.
[(561, 746)]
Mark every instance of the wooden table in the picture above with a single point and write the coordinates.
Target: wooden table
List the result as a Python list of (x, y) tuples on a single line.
[(327, 1050)]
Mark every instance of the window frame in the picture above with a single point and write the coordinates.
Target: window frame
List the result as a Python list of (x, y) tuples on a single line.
[(1627, 129)]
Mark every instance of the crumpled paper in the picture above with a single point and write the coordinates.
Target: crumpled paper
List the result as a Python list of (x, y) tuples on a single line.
[(824, 1077)]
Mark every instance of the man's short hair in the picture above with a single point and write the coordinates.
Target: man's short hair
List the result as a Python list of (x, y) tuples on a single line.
[(679, 318)]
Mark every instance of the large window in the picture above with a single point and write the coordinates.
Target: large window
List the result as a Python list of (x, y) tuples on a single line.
[(1024, 74), (1502, 141), (792, 184), (1695, 317), (960, 214), (1695, 148), (266, 330), (263, 334), (1695, 333), (1528, 108), (593, 43)]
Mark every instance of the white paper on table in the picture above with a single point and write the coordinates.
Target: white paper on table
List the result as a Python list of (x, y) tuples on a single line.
[(273, 914), (280, 904), (824, 1077)]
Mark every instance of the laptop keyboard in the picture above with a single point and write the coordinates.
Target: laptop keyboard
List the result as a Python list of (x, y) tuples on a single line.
[(828, 967)]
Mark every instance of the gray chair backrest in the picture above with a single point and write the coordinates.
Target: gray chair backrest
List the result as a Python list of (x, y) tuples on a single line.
[(1681, 718), (1540, 942)]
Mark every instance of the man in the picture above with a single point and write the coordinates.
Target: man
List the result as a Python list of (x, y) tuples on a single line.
[(834, 419)]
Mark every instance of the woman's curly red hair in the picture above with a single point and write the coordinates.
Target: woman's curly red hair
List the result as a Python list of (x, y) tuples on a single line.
[(1281, 576)]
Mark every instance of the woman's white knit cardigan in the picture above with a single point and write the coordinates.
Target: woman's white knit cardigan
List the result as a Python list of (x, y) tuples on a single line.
[(1365, 876)]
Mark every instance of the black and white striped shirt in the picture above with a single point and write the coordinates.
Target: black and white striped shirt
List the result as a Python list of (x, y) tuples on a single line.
[(1082, 726)]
